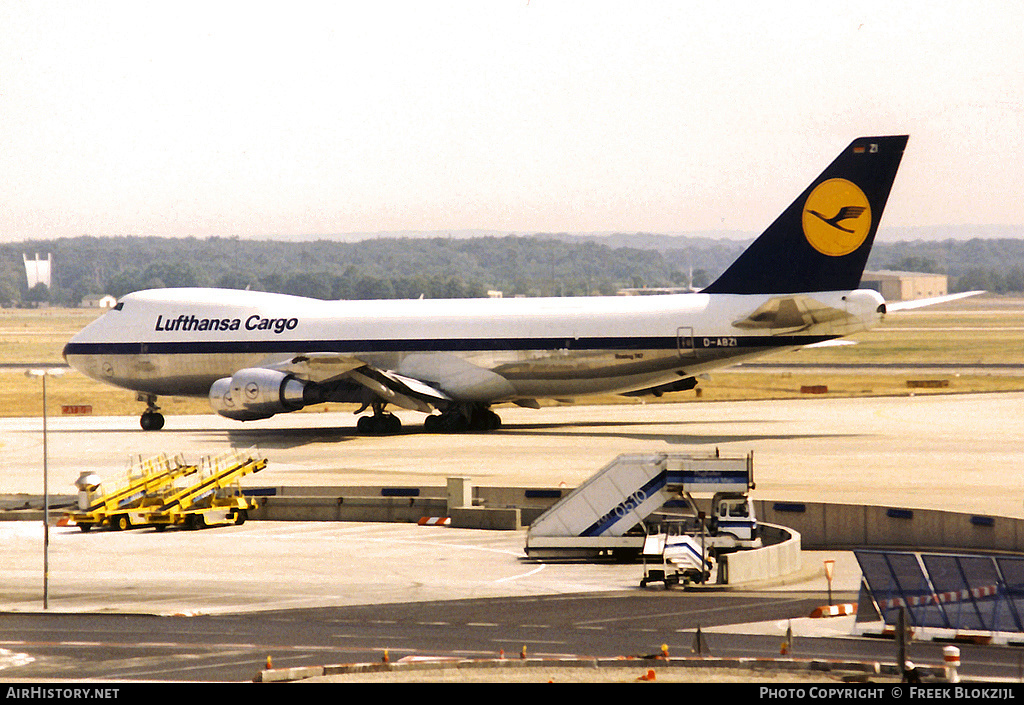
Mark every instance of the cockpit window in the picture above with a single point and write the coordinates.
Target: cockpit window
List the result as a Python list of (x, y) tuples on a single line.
[(119, 306)]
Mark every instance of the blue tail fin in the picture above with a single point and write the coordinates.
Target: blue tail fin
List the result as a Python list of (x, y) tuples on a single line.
[(821, 242)]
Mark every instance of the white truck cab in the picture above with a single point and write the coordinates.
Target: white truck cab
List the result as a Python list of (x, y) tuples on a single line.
[(733, 515)]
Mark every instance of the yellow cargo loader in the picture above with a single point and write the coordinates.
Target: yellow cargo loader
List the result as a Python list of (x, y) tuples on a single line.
[(214, 499), (111, 503)]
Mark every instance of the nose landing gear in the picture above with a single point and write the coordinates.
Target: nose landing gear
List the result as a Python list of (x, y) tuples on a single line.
[(151, 419)]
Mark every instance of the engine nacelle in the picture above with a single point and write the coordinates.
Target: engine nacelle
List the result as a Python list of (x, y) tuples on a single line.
[(257, 393)]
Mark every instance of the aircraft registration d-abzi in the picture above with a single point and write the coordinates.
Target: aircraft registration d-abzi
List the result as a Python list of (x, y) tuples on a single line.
[(259, 354)]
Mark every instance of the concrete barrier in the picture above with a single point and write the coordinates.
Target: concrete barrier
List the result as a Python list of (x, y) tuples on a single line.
[(846, 526), (469, 507), (821, 526), (495, 519), (779, 558), (345, 508)]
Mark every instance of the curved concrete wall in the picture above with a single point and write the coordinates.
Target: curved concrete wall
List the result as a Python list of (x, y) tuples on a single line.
[(848, 526), (775, 561)]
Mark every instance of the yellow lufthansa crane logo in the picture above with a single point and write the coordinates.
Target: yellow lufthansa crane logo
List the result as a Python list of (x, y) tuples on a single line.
[(836, 217)]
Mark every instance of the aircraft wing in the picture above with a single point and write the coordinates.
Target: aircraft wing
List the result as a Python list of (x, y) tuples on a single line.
[(329, 370), (314, 367), (397, 389)]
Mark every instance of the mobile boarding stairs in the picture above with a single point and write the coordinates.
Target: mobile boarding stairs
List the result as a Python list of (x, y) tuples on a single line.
[(607, 516)]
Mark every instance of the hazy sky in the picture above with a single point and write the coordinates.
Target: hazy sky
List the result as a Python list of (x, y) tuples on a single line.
[(262, 119)]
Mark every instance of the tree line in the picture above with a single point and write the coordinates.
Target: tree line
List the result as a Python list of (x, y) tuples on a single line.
[(440, 267)]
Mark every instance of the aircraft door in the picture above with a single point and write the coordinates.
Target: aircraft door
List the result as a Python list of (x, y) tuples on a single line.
[(684, 341)]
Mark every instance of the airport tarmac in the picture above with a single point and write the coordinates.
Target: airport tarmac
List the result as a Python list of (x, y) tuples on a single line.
[(953, 452)]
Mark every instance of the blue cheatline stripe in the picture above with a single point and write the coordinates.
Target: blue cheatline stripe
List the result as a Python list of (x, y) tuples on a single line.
[(635, 499), (438, 345), (743, 524), (708, 477)]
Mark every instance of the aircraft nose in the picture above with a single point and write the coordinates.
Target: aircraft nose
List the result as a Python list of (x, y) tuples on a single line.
[(71, 352)]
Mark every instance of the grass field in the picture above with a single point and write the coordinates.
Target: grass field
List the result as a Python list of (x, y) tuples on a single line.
[(977, 331)]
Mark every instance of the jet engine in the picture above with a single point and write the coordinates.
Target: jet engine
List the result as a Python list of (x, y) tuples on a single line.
[(257, 393)]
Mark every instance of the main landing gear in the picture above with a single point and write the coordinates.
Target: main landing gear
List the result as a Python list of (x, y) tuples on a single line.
[(382, 423), (151, 419), (457, 418), (463, 418)]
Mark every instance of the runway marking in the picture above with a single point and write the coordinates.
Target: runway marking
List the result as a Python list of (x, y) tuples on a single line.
[(530, 641), (481, 624), (517, 577), (13, 658)]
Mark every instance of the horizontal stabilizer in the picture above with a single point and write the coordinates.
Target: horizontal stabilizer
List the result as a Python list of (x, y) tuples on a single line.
[(790, 313), (829, 344), (921, 303)]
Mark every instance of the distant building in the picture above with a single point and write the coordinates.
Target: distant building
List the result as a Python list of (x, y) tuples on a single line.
[(38, 270), (94, 301), (905, 286)]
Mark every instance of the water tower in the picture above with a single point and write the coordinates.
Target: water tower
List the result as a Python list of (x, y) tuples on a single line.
[(38, 270)]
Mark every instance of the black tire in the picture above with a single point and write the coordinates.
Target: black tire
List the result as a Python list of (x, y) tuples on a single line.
[(151, 421), (122, 522), (381, 425)]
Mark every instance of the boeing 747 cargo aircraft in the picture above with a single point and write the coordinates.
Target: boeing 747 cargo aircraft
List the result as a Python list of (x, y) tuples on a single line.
[(259, 354)]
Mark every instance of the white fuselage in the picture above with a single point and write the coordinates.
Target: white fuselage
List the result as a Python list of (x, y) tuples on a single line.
[(179, 341)]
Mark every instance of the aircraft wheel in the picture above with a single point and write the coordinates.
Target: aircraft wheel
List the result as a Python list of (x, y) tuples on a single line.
[(392, 423), (379, 424), (454, 423), (493, 421), (484, 420), (151, 421)]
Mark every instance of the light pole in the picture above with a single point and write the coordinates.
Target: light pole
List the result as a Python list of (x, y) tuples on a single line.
[(44, 373)]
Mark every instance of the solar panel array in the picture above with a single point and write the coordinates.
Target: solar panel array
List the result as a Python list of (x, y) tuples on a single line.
[(948, 591)]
